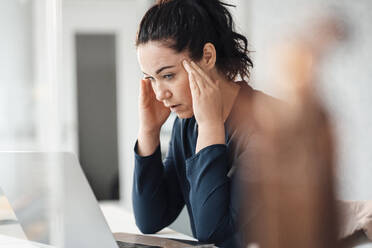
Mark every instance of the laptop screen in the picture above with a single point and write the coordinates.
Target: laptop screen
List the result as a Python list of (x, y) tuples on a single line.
[(46, 201)]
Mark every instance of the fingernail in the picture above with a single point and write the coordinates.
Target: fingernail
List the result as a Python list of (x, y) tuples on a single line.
[(184, 62)]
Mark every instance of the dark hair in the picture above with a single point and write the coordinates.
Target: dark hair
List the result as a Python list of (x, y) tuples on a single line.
[(190, 24)]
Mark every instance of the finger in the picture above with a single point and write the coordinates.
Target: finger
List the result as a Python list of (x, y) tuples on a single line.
[(148, 91), (202, 73), (143, 98), (144, 88), (194, 87), (191, 71), (202, 78), (187, 67)]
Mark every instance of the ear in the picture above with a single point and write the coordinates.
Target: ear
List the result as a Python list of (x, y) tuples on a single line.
[(209, 56)]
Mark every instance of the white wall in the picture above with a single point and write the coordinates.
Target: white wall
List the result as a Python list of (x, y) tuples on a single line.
[(16, 109), (28, 49), (28, 74)]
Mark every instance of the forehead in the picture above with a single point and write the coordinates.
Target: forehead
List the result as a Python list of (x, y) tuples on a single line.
[(154, 55)]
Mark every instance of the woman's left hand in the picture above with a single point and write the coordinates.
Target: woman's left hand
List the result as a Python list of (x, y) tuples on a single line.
[(206, 96), (207, 106)]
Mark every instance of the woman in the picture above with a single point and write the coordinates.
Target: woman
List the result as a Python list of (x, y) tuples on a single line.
[(190, 56)]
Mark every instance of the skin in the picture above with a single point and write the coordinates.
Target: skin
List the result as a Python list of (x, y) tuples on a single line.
[(172, 82)]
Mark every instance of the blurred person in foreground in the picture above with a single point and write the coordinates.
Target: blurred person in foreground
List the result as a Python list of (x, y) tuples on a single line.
[(192, 59), (289, 174)]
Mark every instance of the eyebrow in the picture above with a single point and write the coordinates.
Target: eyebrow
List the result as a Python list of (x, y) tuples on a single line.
[(161, 69)]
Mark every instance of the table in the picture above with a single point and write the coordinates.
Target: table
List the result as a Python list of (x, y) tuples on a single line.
[(121, 220)]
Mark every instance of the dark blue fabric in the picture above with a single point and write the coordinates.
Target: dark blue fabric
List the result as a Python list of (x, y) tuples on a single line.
[(162, 188)]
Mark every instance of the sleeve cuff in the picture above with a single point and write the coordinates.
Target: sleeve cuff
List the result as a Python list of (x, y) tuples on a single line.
[(155, 155), (201, 160)]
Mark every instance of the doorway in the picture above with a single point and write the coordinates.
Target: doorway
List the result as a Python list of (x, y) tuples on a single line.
[(97, 112)]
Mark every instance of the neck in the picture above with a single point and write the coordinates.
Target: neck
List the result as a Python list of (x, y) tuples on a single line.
[(229, 91)]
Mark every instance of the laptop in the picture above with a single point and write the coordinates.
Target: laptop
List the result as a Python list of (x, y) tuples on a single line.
[(46, 201)]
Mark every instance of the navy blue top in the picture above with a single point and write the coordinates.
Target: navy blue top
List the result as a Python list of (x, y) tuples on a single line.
[(202, 181)]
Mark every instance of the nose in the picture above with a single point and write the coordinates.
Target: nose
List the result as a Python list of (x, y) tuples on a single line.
[(162, 93)]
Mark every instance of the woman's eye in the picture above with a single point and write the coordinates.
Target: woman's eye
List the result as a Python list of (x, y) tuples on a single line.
[(168, 76)]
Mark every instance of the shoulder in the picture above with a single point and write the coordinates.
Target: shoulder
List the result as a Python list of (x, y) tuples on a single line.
[(250, 94), (248, 108), (250, 98), (245, 106)]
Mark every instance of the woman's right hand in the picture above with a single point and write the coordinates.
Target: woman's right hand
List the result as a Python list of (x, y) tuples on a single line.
[(152, 115)]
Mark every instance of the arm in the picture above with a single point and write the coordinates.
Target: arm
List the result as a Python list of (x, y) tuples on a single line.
[(213, 195), (156, 195), (212, 192)]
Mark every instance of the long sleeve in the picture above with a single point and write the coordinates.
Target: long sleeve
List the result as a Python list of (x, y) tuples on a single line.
[(156, 195), (212, 196)]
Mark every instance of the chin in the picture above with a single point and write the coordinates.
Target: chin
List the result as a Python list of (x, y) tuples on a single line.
[(185, 115)]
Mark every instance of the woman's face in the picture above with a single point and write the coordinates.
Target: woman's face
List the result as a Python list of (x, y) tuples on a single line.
[(169, 80)]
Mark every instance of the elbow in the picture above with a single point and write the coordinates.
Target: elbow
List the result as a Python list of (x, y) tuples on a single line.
[(146, 224), (204, 236), (212, 233), (147, 228), (146, 220)]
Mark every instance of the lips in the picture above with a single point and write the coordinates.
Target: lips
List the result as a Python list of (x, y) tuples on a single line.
[(174, 107), (171, 106)]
